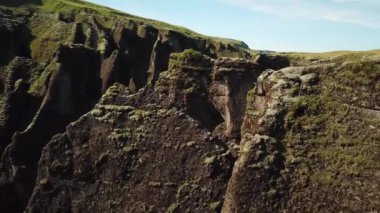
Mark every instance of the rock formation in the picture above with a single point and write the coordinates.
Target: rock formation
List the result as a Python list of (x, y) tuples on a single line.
[(303, 140), (105, 112)]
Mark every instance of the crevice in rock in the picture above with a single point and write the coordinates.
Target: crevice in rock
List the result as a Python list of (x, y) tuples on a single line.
[(78, 36), (112, 70), (159, 60), (74, 89), (231, 81)]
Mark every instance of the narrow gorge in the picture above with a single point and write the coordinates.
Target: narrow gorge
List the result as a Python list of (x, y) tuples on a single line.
[(101, 111)]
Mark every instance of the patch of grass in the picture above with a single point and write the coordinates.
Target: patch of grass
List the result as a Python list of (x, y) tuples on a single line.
[(39, 80), (216, 206), (49, 35)]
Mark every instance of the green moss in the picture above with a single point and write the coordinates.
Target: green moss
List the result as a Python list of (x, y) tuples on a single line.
[(210, 160), (120, 134), (172, 208), (117, 108), (155, 184), (330, 135), (186, 188), (49, 35), (272, 193), (39, 81), (323, 129), (216, 206), (189, 54), (129, 149), (138, 114), (190, 144)]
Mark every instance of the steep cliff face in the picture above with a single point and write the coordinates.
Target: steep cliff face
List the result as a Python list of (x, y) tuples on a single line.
[(210, 90), (101, 111), (132, 153), (149, 151), (70, 58), (297, 141), (310, 142), (73, 89)]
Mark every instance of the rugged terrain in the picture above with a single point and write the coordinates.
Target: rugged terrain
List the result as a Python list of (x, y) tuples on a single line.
[(101, 111)]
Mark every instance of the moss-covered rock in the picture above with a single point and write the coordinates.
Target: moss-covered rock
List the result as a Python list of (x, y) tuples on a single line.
[(307, 144)]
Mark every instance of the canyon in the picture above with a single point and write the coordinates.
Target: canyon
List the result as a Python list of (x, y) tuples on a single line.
[(101, 111)]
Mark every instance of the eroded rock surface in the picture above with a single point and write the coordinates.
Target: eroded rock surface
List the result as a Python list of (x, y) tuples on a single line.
[(232, 79), (73, 89), (180, 130), (211, 91), (305, 146), (133, 153), (125, 142)]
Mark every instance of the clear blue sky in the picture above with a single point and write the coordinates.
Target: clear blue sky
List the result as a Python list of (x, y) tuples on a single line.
[(280, 25)]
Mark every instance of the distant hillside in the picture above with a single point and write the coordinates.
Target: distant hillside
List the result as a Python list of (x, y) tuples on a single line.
[(79, 6)]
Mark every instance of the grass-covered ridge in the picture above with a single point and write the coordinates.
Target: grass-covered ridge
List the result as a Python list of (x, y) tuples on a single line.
[(78, 6), (302, 58)]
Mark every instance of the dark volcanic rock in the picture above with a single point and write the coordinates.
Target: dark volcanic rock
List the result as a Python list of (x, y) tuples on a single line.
[(274, 62), (17, 106), (232, 79), (132, 153), (14, 38), (136, 42), (73, 89), (210, 90), (113, 70), (187, 83)]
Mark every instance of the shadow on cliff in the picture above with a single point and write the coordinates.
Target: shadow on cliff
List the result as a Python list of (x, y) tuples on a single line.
[(74, 88)]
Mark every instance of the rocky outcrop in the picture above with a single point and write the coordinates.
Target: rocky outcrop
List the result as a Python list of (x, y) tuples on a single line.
[(210, 90), (302, 143), (74, 88), (274, 62), (257, 183), (133, 153), (232, 79), (187, 84)]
